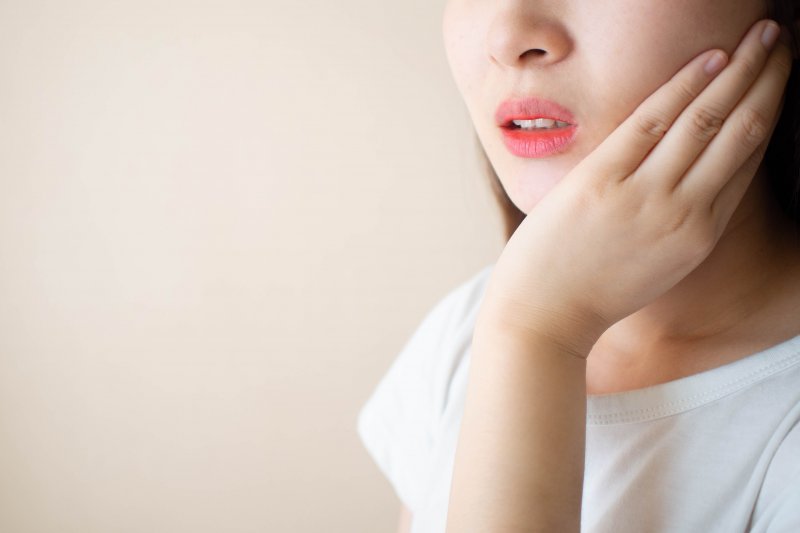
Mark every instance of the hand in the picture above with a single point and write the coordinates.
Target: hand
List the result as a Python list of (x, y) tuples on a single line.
[(648, 205)]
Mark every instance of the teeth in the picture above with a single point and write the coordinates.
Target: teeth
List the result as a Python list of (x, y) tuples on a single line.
[(539, 124)]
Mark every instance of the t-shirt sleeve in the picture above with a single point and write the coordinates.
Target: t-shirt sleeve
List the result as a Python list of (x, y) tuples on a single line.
[(779, 512), (784, 517), (398, 423), (783, 514)]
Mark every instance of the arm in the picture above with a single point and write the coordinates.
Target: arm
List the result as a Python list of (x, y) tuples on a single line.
[(404, 524), (520, 455)]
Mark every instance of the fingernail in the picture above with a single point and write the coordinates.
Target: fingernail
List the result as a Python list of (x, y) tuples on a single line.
[(714, 63), (770, 34)]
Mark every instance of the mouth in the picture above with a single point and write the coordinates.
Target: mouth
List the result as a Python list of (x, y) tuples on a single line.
[(533, 113), (537, 123), (535, 128)]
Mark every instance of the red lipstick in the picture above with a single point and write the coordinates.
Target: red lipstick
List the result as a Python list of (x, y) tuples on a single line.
[(540, 142)]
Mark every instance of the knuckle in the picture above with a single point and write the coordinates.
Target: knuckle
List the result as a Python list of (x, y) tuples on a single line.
[(754, 128), (678, 221), (748, 68), (704, 123), (689, 225), (685, 92), (701, 240), (706, 241), (652, 125)]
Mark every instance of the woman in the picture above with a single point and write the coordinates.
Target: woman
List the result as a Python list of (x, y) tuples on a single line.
[(631, 362)]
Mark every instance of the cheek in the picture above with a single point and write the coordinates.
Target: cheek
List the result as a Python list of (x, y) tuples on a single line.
[(462, 26), (629, 66), (626, 68)]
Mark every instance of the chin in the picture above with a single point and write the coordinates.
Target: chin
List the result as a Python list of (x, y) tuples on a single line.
[(526, 192)]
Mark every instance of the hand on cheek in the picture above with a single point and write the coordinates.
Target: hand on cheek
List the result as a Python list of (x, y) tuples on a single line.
[(648, 205)]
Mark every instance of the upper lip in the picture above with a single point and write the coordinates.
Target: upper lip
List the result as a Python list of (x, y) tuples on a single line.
[(529, 109)]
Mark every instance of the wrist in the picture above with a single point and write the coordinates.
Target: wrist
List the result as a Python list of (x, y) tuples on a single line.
[(564, 328)]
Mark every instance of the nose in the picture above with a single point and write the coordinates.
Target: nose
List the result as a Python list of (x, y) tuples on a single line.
[(518, 37)]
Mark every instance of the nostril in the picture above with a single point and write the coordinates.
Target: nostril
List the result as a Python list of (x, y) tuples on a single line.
[(535, 52)]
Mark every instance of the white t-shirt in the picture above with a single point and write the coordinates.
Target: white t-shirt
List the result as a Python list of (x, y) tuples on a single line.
[(717, 451)]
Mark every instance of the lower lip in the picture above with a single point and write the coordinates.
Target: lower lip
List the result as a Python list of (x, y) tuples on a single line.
[(538, 143)]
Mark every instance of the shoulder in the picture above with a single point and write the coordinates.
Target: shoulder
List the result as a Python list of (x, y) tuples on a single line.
[(440, 337), (400, 421)]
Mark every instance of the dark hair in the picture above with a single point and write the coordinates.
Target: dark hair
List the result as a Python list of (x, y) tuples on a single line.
[(781, 160)]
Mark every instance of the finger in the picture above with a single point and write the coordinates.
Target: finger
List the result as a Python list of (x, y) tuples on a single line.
[(625, 148), (702, 120), (746, 129), (727, 201)]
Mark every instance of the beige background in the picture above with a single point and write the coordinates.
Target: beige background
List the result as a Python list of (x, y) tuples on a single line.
[(219, 223)]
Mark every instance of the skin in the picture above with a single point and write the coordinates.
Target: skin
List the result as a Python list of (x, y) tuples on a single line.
[(663, 203), (602, 60)]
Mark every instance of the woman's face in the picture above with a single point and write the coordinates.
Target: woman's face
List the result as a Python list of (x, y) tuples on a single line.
[(598, 59)]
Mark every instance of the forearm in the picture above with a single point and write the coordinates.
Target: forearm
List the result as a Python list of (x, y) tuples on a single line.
[(520, 456)]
